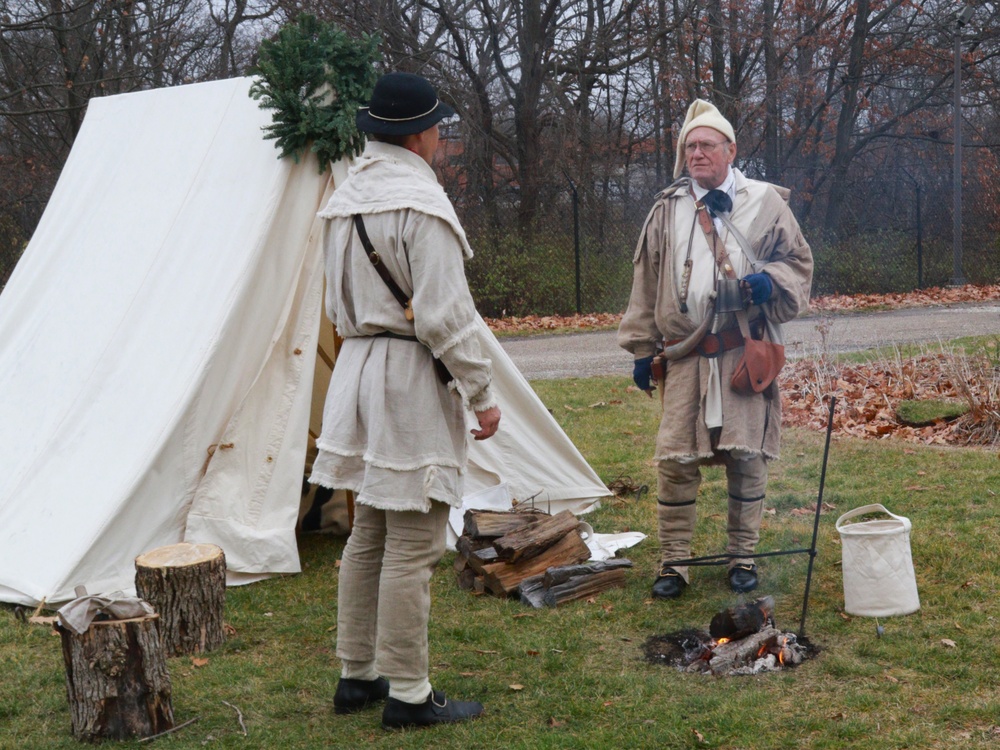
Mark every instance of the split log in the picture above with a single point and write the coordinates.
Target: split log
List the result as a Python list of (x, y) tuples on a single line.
[(503, 578), (466, 545), (481, 559), (533, 540), (491, 524), (741, 621), (555, 576), (186, 584), (466, 579), (117, 680), (582, 586), (532, 591)]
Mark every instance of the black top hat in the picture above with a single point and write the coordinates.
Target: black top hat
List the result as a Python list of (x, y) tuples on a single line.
[(401, 104)]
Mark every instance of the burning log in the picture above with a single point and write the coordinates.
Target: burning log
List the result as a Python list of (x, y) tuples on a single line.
[(741, 621), (727, 657)]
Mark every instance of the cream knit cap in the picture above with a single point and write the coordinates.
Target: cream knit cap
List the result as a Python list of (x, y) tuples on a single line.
[(700, 114)]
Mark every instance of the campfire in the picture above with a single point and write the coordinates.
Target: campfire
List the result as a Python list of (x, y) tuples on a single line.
[(741, 641)]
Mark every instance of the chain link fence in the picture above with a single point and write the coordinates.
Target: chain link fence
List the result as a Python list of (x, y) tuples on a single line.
[(578, 257), (913, 248), (566, 266)]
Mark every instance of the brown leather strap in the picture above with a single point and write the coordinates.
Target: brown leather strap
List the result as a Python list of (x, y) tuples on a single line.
[(714, 344), (380, 268), (718, 247)]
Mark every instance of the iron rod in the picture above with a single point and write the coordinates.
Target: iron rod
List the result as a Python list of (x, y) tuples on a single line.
[(819, 509)]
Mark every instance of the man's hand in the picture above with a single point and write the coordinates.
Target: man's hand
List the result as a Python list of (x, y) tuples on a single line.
[(489, 420), (757, 288), (642, 374)]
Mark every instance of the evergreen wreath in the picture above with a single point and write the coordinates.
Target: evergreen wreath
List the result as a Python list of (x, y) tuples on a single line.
[(315, 76)]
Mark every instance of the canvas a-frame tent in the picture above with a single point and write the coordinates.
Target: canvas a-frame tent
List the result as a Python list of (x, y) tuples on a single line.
[(158, 355)]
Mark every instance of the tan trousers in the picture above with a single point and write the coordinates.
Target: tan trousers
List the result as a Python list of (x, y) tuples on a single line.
[(677, 491), (384, 600)]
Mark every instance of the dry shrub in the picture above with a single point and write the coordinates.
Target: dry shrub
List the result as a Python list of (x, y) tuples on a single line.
[(869, 394)]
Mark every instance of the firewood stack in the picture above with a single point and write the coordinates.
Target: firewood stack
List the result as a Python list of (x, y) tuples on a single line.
[(531, 553)]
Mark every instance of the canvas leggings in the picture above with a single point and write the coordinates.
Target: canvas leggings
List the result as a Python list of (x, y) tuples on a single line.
[(677, 490), (384, 601)]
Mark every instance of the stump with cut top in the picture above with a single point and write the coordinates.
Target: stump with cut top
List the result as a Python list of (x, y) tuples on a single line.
[(117, 680), (186, 584)]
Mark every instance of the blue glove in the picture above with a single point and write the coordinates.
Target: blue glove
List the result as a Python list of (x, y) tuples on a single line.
[(760, 286), (642, 373)]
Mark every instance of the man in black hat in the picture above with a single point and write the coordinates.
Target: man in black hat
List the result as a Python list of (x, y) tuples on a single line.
[(394, 421)]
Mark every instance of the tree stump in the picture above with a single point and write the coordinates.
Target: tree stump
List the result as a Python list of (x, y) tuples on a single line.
[(117, 680), (186, 584)]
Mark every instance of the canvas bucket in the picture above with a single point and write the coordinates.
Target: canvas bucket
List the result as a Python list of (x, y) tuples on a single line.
[(878, 567)]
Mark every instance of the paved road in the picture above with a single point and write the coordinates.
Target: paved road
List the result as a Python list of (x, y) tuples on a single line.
[(588, 354)]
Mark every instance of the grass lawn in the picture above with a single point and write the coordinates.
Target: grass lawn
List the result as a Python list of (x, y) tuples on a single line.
[(574, 677)]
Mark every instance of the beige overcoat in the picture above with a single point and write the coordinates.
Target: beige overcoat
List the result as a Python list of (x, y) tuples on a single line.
[(392, 433), (750, 424)]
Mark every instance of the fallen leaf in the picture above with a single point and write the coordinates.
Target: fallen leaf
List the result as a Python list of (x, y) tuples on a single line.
[(516, 686), (890, 678), (948, 643), (553, 722), (519, 615), (699, 736), (467, 674), (608, 703), (485, 652), (198, 662), (598, 404), (532, 653)]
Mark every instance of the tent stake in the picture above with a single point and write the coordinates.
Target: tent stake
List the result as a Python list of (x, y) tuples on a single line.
[(819, 509)]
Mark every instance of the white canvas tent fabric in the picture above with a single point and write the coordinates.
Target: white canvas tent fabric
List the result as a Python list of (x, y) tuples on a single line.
[(157, 349)]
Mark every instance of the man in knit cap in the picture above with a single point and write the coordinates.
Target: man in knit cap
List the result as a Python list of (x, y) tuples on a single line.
[(394, 425), (709, 228)]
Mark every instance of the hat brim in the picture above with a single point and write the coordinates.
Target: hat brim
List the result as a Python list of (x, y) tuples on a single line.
[(368, 124)]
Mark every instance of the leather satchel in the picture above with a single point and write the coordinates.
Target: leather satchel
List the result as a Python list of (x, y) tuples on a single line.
[(762, 360), (760, 364)]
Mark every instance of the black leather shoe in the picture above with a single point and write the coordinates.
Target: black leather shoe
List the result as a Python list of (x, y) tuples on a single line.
[(743, 578), (669, 584), (355, 695), (435, 710)]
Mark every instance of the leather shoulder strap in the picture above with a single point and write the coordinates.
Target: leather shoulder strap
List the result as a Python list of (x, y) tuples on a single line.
[(380, 268)]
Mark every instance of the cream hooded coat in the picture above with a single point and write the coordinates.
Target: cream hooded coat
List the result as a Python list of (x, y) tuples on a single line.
[(392, 432), (750, 424)]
